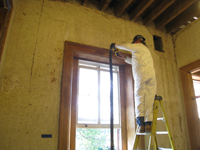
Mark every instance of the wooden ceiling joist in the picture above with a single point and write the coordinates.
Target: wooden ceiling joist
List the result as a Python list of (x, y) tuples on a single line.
[(140, 9), (104, 4), (188, 14), (85, 2), (156, 12), (121, 7), (171, 14)]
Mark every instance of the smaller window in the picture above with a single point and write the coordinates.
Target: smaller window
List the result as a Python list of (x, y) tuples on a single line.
[(158, 43)]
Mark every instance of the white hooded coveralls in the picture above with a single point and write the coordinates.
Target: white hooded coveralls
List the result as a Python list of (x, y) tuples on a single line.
[(144, 78)]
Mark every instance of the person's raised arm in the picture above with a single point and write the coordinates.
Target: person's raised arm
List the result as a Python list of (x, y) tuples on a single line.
[(120, 55)]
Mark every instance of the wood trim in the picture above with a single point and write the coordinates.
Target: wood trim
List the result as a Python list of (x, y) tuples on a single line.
[(190, 67), (130, 105), (195, 71), (190, 105), (4, 24), (92, 53), (65, 103), (196, 78), (72, 52), (123, 108), (74, 106)]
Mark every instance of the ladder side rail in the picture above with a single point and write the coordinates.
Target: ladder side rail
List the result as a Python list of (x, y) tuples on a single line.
[(167, 126), (136, 139), (154, 124), (155, 143)]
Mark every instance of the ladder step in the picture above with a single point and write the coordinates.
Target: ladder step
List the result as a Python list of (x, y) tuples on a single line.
[(158, 132), (161, 132), (162, 118), (164, 148), (143, 133)]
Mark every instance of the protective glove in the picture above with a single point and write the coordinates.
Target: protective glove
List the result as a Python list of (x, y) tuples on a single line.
[(116, 51), (112, 46)]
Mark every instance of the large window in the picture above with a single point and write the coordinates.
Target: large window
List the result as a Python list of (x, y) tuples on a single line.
[(93, 108)]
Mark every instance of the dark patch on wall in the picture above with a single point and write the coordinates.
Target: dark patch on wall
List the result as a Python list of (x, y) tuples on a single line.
[(53, 79), (5, 15)]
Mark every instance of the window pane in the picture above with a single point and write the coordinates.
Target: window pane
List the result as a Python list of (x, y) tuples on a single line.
[(88, 96), (105, 98), (197, 93), (196, 88), (198, 105)]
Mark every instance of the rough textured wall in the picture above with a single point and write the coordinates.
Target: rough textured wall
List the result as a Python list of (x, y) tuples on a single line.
[(187, 44), (31, 69)]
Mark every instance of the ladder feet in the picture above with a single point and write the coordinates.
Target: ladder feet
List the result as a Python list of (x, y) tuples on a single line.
[(158, 97)]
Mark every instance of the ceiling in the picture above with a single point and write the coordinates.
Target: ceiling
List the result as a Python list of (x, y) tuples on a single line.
[(171, 15)]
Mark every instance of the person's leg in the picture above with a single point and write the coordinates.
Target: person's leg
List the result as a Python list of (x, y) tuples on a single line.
[(139, 95), (140, 123), (139, 104), (149, 101)]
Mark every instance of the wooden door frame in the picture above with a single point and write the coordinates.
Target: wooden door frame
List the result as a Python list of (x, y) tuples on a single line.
[(73, 52), (190, 104)]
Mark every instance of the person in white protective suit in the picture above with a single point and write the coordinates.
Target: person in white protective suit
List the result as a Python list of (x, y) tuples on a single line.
[(144, 79)]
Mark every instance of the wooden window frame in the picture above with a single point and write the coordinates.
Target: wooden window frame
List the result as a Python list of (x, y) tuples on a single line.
[(190, 104), (67, 124)]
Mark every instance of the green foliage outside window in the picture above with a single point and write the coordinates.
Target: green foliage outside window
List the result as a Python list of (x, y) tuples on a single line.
[(93, 139)]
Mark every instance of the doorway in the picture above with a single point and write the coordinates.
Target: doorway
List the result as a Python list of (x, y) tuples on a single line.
[(190, 80)]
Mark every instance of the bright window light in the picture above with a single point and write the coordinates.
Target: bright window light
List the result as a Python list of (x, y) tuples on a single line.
[(105, 98), (88, 96), (197, 93), (94, 95), (93, 107)]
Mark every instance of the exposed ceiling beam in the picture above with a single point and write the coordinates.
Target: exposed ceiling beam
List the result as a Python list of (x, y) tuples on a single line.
[(159, 9), (188, 14), (85, 2), (121, 7), (140, 9), (171, 14), (104, 4)]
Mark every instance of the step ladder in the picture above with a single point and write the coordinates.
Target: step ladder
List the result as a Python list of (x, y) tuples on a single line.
[(152, 139)]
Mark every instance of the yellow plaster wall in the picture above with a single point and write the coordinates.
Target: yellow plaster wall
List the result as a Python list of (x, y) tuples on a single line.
[(187, 44), (31, 69)]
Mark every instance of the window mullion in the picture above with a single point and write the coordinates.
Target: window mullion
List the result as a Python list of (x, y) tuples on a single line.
[(119, 99), (98, 95)]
